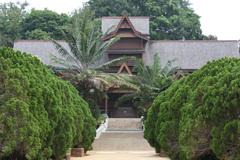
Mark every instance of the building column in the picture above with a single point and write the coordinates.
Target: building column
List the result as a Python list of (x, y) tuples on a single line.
[(106, 104)]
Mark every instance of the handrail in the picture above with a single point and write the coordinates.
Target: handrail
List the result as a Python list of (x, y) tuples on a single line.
[(102, 128)]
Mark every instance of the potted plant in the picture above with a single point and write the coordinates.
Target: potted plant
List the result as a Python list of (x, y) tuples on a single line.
[(77, 152)]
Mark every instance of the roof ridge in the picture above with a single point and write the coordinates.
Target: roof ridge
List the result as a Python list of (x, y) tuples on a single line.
[(36, 40), (114, 33), (194, 41), (119, 17)]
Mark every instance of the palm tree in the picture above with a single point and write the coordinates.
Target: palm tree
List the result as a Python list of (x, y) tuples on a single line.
[(86, 49), (85, 43)]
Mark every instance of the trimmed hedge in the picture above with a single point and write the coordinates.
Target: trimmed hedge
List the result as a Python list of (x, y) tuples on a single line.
[(41, 116), (197, 118)]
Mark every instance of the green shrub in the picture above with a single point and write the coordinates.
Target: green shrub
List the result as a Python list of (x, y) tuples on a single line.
[(41, 116), (161, 127), (198, 116)]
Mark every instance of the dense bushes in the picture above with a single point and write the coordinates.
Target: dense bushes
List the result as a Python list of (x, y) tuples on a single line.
[(41, 116), (198, 117)]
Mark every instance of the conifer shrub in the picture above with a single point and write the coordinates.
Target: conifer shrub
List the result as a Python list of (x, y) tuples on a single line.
[(41, 116), (198, 116)]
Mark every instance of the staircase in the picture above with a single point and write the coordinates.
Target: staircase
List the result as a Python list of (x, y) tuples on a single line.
[(124, 124), (121, 141), (123, 134)]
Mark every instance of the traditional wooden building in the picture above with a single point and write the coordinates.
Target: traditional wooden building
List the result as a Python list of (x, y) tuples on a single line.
[(134, 41), (131, 43)]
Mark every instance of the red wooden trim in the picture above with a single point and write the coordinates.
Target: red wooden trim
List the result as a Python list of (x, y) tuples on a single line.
[(124, 65)]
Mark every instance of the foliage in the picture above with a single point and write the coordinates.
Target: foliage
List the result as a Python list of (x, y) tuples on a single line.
[(17, 23), (210, 37), (45, 21), (37, 34), (198, 116), (85, 56), (151, 80), (168, 19), (85, 42), (41, 116), (152, 129), (11, 17)]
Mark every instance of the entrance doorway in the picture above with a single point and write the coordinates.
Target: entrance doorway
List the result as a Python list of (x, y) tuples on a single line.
[(125, 110)]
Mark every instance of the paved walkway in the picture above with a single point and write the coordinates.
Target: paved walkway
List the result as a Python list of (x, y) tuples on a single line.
[(121, 155), (122, 141), (121, 145)]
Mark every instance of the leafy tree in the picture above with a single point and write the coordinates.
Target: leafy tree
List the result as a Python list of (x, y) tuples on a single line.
[(198, 116), (210, 37), (41, 115), (169, 19), (37, 34), (11, 17), (169, 126), (44, 21), (19, 123), (213, 106), (110, 8)]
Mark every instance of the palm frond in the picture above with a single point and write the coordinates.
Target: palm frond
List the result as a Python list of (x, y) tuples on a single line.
[(111, 80), (104, 81), (62, 62), (84, 40), (67, 56)]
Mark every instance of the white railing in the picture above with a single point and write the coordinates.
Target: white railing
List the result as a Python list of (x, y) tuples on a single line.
[(142, 121), (102, 128)]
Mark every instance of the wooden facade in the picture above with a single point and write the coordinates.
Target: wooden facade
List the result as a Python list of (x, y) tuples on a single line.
[(131, 43)]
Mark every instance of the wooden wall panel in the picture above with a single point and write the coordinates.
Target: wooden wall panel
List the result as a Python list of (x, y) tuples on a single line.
[(128, 43)]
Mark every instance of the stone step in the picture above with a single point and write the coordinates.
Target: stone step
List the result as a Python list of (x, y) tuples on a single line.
[(121, 141), (127, 124)]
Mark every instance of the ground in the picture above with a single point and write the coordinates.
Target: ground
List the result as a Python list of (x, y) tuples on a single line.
[(121, 145), (121, 155)]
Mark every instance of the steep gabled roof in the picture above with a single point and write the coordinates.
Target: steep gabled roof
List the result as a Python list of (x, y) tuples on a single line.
[(125, 19), (110, 23)]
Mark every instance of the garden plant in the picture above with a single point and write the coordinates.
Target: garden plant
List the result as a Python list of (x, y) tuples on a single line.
[(83, 62), (197, 118), (41, 116)]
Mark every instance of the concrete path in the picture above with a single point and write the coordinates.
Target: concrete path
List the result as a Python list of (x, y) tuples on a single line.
[(121, 155), (122, 141), (121, 145)]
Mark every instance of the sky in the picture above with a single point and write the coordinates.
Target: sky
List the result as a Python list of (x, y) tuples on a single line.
[(218, 17)]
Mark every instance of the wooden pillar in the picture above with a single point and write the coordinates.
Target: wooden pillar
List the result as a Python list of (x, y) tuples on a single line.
[(106, 104)]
